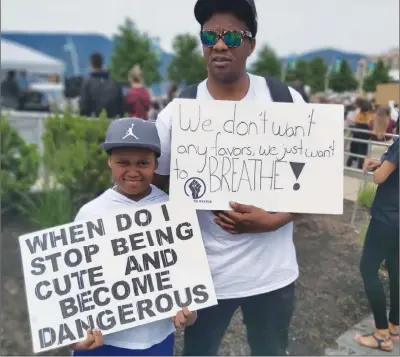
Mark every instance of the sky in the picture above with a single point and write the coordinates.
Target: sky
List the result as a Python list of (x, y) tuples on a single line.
[(289, 26)]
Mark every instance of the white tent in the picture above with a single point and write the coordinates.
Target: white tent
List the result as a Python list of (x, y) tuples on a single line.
[(21, 58)]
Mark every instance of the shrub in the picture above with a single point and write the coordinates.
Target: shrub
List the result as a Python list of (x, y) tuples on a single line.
[(48, 208), (19, 164), (366, 195), (73, 156)]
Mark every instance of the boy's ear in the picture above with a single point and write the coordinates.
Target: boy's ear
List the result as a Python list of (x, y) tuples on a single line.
[(109, 162), (156, 164)]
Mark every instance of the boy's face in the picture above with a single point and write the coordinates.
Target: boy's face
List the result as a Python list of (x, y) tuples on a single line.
[(132, 170)]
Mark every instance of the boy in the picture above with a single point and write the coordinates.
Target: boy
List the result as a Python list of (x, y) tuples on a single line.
[(133, 147)]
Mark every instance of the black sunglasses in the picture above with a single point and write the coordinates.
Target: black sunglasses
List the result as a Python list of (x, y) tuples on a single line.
[(232, 38)]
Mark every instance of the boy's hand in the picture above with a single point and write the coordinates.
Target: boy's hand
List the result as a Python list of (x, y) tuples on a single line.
[(93, 340), (184, 318)]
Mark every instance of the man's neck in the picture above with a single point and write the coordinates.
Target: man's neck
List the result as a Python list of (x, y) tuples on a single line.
[(232, 91)]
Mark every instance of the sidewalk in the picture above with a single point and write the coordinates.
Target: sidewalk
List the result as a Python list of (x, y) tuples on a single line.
[(351, 186), (346, 346)]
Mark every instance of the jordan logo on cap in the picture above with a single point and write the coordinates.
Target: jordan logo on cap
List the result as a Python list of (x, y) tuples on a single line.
[(129, 132)]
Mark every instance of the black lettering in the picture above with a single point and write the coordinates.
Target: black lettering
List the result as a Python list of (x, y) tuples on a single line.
[(135, 240), (159, 303), (115, 292), (93, 273), (188, 299), (53, 258), (162, 279), (38, 292), (76, 233), (119, 246), (78, 275), (89, 251), (147, 217), (164, 236), (124, 222), (168, 257), (37, 242), (123, 314), (165, 213), (68, 307), (144, 306), (82, 326), (140, 288), (67, 285), (99, 229), (184, 231), (108, 324), (77, 259), (84, 300), (202, 296), (47, 337), (132, 265), (64, 334), (154, 260), (54, 238), (96, 296), (37, 263)]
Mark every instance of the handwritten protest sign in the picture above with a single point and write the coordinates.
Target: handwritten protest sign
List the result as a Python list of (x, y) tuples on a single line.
[(115, 272), (277, 156)]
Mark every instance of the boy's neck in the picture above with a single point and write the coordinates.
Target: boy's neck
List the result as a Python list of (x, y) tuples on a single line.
[(137, 197)]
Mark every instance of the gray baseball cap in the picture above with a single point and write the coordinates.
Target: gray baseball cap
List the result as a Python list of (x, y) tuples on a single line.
[(132, 133)]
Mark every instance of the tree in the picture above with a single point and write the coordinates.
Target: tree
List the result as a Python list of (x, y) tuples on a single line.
[(299, 71), (131, 47), (317, 74), (267, 63), (344, 80), (187, 65), (379, 75)]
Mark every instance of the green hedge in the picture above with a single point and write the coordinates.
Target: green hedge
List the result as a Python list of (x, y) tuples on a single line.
[(19, 164), (73, 157)]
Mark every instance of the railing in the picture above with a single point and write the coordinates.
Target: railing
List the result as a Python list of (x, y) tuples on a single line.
[(359, 173)]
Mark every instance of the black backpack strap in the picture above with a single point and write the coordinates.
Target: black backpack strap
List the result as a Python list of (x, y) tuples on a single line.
[(189, 92), (279, 91)]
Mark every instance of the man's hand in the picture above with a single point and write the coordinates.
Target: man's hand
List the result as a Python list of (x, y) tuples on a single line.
[(184, 318), (93, 340), (250, 219), (370, 164)]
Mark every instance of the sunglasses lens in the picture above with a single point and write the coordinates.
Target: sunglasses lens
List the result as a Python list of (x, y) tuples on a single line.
[(233, 38), (208, 38)]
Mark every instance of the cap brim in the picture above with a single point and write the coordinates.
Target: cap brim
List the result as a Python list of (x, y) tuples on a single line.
[(110, 146)]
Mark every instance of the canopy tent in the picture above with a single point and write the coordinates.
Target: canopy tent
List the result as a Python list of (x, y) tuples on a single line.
[(21, 58)]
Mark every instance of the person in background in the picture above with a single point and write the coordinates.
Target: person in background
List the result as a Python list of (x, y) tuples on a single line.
[(382, 244), (155, 110), (100, 92), (382, 124), (10, 91), (132, 161), (137, 99), (362, 120), (172, 93), (299, 86)]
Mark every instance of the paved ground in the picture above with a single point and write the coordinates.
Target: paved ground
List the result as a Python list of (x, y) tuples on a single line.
[(346, 346)]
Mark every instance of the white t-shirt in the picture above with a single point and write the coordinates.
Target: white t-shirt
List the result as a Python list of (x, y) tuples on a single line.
[(246, 264), (144, 336)]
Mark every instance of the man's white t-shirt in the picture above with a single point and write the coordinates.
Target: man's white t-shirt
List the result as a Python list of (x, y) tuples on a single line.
[(144, 336), (246, 264)]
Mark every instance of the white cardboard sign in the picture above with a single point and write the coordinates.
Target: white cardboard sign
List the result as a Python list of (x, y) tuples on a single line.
[(281, 157), (119, 271)]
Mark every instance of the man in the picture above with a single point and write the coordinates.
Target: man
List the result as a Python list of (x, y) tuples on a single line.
[(99, 92), (10, 92), (250, 251)]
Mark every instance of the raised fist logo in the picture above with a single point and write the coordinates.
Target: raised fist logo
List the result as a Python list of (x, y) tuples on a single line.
[(195, 188)]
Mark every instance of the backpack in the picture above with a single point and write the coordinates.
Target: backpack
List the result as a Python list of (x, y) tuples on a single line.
[(279, 91), (105, 94)]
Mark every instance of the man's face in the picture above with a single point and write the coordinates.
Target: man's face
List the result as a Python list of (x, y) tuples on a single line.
[(132, 170), (226, 64)]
